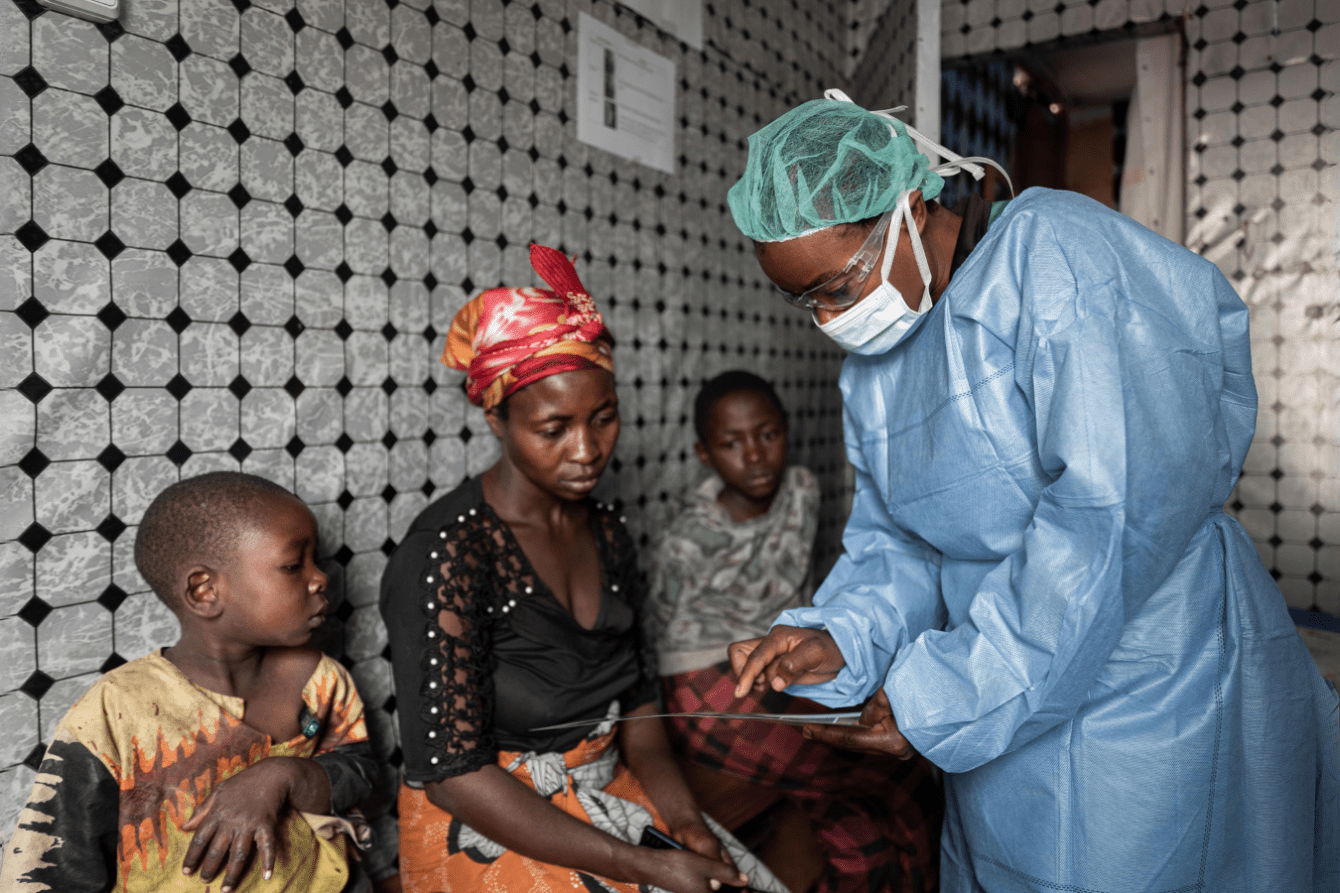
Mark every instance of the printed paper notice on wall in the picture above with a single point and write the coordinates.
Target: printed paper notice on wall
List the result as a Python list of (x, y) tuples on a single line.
[(625, 96)]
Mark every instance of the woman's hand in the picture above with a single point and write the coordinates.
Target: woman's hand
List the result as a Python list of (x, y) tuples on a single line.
[(877, 733), (685, 871), (241, 812), (696, 836), (787, 655)]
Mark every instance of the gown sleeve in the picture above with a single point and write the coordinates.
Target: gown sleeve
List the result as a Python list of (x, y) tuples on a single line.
[(1125, 388), (883, 592), (436, 606)]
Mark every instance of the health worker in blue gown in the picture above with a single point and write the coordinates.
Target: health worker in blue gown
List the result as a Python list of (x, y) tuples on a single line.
[(1046, 405)]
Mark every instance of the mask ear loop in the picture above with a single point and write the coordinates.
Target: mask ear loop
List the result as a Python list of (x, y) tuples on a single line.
[(918, 250)]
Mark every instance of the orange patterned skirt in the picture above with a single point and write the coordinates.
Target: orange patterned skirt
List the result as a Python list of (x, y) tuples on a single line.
[(439, 853)]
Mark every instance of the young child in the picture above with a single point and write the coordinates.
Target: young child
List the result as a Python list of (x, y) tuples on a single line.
[(231, 753), (736, 557)]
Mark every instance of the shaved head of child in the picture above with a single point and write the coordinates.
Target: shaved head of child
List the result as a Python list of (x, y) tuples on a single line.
[(197, 521)]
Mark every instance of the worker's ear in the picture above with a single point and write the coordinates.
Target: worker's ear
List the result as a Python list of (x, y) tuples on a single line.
[(917, 205), (700, 449), (202, 595)]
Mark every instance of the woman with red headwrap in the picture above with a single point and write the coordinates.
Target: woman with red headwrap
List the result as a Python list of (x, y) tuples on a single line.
[(510, 606)]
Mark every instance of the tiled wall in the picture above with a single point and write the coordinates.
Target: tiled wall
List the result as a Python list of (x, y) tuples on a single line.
[(885, 76), (1262, 113), (233, 233)]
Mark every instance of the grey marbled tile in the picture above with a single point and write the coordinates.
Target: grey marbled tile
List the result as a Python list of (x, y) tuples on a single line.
[(74, 639), (19, 646), (365, 358), (69, 128), (328, 15), (137, 482), (319, 59), (320, 298), (73, 423), (320, 416), (319, 120), (202, 463), (319, 474), (366, 414), (517, 174), (16, 123), (365, 248), (18, 721), (365, 189), (318, 239), (267, 356), (547, 226), (144, 421), (404, 509), (144, 214), (209, 223), (273, 465), (517, 220), (548, 181), (267, 169), (408, 465), (72, 277), (144, 624), (485, 261), (480, 454), (409, 252), (409, 199), (70, 53), (209, 288), (411, 91), (208, 355), (443, 302), (365, 469), (18, 434), (487, 17), (144, 282), (144, 144), (72, 351), (446, 465), (449, 259), (486, 64), (144, 72), (365, 524), (485, 215), (366, 303), (364, 573), (267, 294), (364, 634), (455, 11), (373, 677), (367, 75), (411, 146), (124, 572), (267, 42), (329, 535), (14, 49), (267, 106), (210, 27), (409, 306), (369, 23), (276, 6), (16, 501), (70, 203), (366, 132), (72, 496), (209, 419), (74, 568), (451, 103), (519, 24), (411, 34), (409, 360), (409, 412), (16, 348), (267, 232), (16, 200), (208, 89), (319, 358), (318, 180), (485, 168), (518, 126), (144, 352), (208, 157), (155, 19), (450, 207), (451, 50), (17, 568)]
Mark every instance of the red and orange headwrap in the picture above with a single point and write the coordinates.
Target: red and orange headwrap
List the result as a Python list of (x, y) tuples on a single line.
[(507, 338)]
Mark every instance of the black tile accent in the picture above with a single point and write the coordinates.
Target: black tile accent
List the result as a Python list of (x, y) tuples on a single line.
[(388, 221), (239, 196), (33, 613), (178, 185), (32, 312), (113, 661), (389, 440), (31, 159), (240, 260), (178, 47), (294, 266), (239, 131), (343, 272), (240, 66), (31, 9), (389, 166), (239, 387), (178, 320), (294, 81), (388, 496), (431, 68), (429, 121), (389, 385), (30, 81), (179, 253), (344, 156), (34, 462), (111, 315), (178, 117), (110, 387), (389, 277), (295, 20), (294, 326), (344, 37), (294, 144), (295, 446), (32, 236), (112, 597), (178, 453), (240, 450), (343, 214), (110, 101), (345, 498), (465, 434), (344, 97), (239, 323), (294, 206), (34, 387), (111, 528)]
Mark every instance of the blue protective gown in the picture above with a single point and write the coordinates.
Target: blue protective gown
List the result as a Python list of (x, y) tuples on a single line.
[(1039, 571)]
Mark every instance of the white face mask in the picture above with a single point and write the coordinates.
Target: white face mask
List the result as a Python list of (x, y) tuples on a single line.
[(882, 318)]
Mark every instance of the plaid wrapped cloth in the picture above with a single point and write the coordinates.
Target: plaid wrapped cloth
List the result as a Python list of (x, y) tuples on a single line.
[(877, 818)]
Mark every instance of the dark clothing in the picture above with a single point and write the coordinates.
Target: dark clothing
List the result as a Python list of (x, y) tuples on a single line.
[(483, 652)]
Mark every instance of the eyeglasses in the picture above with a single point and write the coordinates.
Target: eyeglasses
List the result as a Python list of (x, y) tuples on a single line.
[(844, 289)]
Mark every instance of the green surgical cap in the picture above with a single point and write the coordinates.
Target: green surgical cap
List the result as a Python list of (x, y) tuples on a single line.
[(824, 163)]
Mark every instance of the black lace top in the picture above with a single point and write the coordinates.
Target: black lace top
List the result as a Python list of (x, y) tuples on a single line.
[(483, 652)]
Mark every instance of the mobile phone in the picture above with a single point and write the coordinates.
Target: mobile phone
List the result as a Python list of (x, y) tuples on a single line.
[(659, 840)]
